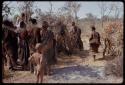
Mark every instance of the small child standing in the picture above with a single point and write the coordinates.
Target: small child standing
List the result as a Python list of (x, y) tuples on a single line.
[(38, 60)]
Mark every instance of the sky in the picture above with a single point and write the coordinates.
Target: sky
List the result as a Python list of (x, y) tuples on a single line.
[(86, 7)]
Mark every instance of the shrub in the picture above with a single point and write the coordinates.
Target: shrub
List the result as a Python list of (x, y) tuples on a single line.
[(115, 67)]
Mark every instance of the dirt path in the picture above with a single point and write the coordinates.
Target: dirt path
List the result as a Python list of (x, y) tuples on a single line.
[(78, 68), (84, 72)]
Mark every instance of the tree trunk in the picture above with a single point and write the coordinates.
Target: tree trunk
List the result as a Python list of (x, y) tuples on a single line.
[(26, 15), (102, 24), (76, 16)]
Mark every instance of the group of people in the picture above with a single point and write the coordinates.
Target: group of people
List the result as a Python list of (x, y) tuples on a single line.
[(33, 46)]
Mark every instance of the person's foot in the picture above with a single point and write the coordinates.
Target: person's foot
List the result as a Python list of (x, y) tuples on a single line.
[(94, 56)]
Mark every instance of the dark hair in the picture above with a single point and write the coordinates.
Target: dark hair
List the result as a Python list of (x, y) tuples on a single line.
[(93, 28), (45, 23), (23, 15), (34, 21), (73, 22), (8, 23), (22, 25)]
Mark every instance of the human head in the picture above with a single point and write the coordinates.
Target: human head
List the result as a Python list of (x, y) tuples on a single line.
[(22, 25), (39, 47), (8, 23), (73, 23), (45, 25), (33, 21), (93, 28), (17, 17), (23, 16)]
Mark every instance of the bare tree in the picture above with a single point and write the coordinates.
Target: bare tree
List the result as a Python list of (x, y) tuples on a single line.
[(117, 8), (50, 14), (68, 8), (106, 8), (51, 7), (103, 9), (6, 10), (71, 9), (39, 13), (91, 18), (26, 7), (76, 6)]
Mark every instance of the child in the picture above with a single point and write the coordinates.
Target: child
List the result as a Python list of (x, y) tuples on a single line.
[(38, 60)]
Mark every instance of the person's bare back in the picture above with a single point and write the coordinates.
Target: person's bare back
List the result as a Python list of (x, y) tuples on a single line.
[(38, 60)]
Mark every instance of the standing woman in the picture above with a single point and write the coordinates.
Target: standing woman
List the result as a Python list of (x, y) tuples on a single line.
[(33, 37), (17, 24), (19, 20), (23, 46), (9, 43), (47, 37)]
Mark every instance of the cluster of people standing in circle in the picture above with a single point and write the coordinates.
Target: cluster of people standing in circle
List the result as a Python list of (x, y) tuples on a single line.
[(39, 47)]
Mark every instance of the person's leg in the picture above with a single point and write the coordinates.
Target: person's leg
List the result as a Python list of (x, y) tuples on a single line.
[(80, 44), (64, 49), (37, 78), (31, 67), (15, 53), (70, 50), (54, 52), (45, 68), (12, 64), (96, 48), (41, 76), (49, 70), (8, 61), (57, 50), (54, 56), (11, 59), (27, 55), (91, 47), (20, 57), (46, 72)]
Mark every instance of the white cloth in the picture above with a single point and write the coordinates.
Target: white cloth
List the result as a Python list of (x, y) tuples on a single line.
[(18, 23)]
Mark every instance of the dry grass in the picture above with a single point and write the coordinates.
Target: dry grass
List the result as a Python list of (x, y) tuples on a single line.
[(6, 73), (115, 67), (83, 58)]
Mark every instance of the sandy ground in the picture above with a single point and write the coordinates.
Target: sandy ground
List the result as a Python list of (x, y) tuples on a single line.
[(78, 68)]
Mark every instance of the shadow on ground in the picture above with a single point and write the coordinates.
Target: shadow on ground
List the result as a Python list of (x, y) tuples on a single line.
[(82, 54), (66, 72), (107, 58)]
